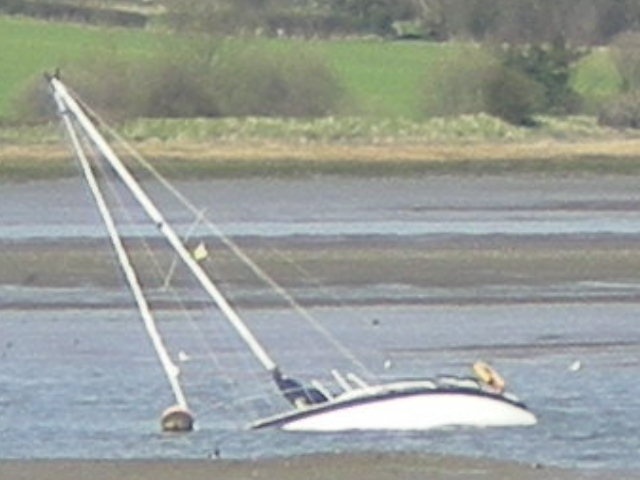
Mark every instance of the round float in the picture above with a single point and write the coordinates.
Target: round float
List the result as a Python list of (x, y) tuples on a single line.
[(177, 419)]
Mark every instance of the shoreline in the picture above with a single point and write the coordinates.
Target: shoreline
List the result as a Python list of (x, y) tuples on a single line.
[(373, 466), (395, 157)]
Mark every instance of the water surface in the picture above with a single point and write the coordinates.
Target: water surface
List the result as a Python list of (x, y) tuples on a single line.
[(79, 378)]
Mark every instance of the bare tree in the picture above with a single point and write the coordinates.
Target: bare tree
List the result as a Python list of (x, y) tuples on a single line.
[(515, 21), (617, 16)]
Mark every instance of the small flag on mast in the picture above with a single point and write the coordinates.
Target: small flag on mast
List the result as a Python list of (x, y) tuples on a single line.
[(200, 252)]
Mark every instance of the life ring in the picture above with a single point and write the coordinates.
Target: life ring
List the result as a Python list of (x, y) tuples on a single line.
[(489, 376)]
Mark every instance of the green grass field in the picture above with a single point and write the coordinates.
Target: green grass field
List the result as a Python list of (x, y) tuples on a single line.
[(596, 78), (384, 79), (29, 48)]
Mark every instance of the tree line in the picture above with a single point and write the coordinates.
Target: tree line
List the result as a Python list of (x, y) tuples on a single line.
[(580, 22), (76, 12)]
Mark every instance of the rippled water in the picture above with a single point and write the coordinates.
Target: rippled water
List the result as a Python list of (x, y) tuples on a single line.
[(440, 205), (84, 382)]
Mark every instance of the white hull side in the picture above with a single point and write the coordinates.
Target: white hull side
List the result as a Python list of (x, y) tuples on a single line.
[(415, 412)]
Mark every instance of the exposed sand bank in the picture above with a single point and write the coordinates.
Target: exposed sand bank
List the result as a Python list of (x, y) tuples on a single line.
[(346, 466)]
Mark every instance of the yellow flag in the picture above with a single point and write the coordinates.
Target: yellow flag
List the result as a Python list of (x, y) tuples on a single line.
[(200, 252)]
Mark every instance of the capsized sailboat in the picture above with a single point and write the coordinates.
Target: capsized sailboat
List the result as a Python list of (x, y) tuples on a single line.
[(416, 404)]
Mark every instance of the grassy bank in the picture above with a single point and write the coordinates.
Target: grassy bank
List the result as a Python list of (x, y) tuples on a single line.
[(254, 146), (382, 79), (380, 133)]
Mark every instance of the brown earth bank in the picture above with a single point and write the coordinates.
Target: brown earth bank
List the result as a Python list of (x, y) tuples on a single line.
[(370, 466), (281, 157)]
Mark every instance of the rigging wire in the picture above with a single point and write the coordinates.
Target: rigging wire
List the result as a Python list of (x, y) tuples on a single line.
[(233, 246), (221, 374), (170, 369), (166, 229)]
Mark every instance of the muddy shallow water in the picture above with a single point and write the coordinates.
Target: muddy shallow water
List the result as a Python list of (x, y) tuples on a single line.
[(415, 276), (345, 206)]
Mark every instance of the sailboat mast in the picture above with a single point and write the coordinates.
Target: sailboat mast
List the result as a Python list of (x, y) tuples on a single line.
[(166, 229), (169, 367)]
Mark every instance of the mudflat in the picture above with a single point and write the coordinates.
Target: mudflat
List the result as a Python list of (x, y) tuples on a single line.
[(419, 263), (370, 466)]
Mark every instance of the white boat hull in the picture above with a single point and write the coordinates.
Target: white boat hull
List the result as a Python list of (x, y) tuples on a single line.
[(422, 410)]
